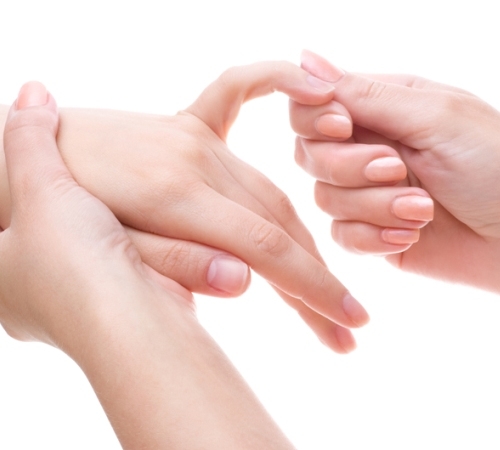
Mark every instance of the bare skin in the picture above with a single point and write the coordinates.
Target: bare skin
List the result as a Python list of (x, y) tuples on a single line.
[(189, 204), (418, 180), (70, 276)]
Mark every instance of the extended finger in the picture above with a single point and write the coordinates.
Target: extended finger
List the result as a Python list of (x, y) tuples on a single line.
[(397, 207), (197, 267), (219, 104), (268, 249), (264, 198), (349, 164)]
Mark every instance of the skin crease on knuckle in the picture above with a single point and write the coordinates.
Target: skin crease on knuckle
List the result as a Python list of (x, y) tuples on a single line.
[(269, 240)]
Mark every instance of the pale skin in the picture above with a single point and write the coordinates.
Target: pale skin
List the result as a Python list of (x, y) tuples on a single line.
[(187, 201), (70, 276), (418, 180)]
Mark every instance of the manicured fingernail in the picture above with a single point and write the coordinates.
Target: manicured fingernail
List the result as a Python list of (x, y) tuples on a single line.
[(383, 170), (320, 67), (400, 236), (354, 310), (413, 207), (345, 339), (228, 274), (320, 85), (334, 125), (32, 93)]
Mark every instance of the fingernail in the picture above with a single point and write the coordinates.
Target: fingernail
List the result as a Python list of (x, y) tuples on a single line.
[(320, 85), (320, 67), (32, 93), (228, 274), (383, 170), (354, 310), (334, 125), (400, 236), (413, 207)]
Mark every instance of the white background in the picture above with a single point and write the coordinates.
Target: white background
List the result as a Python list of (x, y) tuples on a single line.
[(425, 374)]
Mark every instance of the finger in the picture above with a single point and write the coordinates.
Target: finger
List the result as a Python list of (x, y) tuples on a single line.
[(219, 104), (396, 207), (413, 81), (365, 238), (33, 161), (199, 268), (349, 164), (261, 196), (266, 248), (329, 121), (398, 112), (335, 337)]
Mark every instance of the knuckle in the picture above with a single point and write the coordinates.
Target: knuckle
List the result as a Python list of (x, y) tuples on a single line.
[(177, 259), (228, 77), (269, 239), (449, 104), (372, 90), (283, 207)]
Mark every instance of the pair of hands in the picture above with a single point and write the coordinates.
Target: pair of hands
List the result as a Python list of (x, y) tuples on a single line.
[(181, 195), (417, 179), (413, 140)]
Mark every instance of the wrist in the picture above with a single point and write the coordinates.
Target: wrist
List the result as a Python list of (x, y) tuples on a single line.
[(164, 383)]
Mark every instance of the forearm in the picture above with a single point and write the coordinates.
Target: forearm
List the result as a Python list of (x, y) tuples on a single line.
[(164, 383)]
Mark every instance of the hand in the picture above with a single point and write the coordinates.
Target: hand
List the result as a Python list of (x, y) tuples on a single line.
[(62, 245), (175, 178), (71, 277), (420, 150)]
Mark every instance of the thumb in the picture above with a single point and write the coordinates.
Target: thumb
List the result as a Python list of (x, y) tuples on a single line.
[(396, 111), (32, 158), (219, 104)]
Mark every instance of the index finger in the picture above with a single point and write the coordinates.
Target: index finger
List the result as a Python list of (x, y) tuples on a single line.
[(220, 102)]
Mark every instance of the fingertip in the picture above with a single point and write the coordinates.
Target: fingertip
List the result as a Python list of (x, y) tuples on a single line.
[(33, 94), (354, 310), (320, 67), (345, 340)]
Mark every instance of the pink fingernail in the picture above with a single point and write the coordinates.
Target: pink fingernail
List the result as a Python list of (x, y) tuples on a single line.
[(386, 169), (228, 274), (334, 125), (32, 93), (320, 67), (354, 310), (400, 236), (413, 207)]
